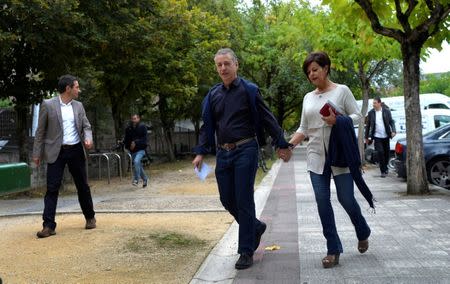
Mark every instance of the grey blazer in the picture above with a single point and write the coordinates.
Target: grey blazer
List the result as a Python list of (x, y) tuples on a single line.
[(49, 133)]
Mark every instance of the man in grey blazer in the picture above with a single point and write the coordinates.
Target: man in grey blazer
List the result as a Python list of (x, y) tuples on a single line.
[(62, 134)]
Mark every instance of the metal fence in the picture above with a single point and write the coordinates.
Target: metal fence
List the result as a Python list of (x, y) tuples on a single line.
[(183, 140), (8, 120)]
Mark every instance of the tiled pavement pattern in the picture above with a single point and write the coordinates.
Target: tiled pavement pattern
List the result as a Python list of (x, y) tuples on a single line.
[(278, 266), (410, 241)]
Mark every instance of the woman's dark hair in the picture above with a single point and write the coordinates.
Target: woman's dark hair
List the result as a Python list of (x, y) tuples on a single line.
[(320, 58), (64, 81)]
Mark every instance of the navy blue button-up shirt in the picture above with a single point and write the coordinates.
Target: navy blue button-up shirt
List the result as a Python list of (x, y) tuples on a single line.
[(233, 117)]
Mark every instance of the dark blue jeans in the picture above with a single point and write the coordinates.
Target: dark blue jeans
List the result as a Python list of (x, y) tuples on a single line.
[(75, 159), (235, 174), (345, 194)]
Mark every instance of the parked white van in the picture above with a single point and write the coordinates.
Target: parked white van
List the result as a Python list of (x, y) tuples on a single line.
[(435, 110), (427, 101)]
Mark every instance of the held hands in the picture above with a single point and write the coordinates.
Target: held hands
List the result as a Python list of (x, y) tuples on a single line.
[(393, 134), (284, 154), (331, 119), (132, 145)]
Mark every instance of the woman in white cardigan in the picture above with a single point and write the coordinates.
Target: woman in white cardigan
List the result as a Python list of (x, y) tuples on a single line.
[(318, 128)]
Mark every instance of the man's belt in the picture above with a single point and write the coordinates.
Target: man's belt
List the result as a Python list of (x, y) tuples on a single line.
[(232, 146), (67, 146)]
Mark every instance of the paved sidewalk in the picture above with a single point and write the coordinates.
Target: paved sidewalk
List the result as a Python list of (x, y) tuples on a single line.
[(410, 241), (125, 201)]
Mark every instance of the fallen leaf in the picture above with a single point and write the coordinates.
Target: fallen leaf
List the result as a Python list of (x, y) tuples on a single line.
[(273, 247)]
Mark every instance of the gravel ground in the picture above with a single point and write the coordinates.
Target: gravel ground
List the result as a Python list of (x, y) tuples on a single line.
[(125, 248)]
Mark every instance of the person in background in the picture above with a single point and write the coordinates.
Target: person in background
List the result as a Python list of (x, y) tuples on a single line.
[(136, 142), (62, 134), (380, 127), (318, 129)]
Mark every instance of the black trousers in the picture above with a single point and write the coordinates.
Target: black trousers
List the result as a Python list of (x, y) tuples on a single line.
[(382, 148), (75, 159)]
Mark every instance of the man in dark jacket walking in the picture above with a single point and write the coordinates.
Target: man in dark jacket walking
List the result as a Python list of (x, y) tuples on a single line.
[(136, 143), (380, 128)]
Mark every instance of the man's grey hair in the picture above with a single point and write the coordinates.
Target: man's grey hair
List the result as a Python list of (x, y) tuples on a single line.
[(224, 51)]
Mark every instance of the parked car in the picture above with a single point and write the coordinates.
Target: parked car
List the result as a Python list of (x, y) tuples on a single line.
[(431, 119), (436, 149)]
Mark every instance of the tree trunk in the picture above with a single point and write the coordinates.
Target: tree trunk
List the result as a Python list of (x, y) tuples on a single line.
[(365, 86), (22, 132), (169, 142), (197, 130), (281, 107), (417, 182), (117, 117), (167, 126)]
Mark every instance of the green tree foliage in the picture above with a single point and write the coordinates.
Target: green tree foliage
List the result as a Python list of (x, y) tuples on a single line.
[(120, 37), (276, 45), (353, 45), (5, 103), (226, 30), (414, 24), (156, 57), (184, 45), (37, 44), (435, 83)]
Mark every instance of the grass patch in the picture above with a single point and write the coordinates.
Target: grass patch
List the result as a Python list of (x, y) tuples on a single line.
[(163, 240), (171, 240)]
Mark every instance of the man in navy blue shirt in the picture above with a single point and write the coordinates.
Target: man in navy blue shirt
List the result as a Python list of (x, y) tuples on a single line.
[(234, 112)]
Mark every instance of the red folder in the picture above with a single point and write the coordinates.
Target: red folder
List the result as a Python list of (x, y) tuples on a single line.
[(325, 110)]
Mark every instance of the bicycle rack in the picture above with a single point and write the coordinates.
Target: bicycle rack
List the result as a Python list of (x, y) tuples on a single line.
[(107, 158), (100, 155)]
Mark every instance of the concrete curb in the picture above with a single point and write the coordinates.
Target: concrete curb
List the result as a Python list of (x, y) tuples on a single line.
[(218, 266), (122, 211)]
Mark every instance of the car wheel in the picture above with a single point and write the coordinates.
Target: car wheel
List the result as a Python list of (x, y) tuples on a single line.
[(391, 163), (439, 171)]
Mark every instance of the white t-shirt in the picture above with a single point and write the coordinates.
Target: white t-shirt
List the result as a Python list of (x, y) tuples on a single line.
[(380, 131)]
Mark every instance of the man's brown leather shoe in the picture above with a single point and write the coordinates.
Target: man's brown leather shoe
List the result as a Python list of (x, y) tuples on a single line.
[(91, 224), (46, 232)]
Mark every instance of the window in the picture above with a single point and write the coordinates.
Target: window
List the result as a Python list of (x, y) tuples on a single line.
[(440, 120), (445, 136), (438, 106)]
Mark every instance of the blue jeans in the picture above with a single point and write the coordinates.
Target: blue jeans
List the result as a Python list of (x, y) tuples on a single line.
[(138, 169), (345, 194), (235, 174)]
